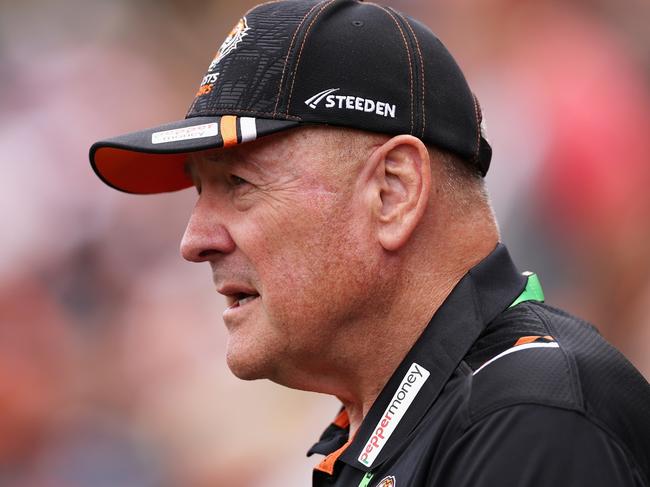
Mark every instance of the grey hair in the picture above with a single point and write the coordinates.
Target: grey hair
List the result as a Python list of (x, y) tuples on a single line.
[(461, 182)]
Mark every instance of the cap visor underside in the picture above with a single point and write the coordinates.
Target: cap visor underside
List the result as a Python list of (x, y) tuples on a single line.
[(153, 160)]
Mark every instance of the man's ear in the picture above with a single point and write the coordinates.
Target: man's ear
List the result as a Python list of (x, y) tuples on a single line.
[(401, 174)]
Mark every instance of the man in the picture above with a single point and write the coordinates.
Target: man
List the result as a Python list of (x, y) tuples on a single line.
[(338, 156)]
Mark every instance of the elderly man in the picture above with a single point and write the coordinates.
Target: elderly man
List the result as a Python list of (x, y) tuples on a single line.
[(339, 158)]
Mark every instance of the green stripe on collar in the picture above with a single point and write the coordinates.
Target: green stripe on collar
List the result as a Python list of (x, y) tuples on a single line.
[(533, 291)]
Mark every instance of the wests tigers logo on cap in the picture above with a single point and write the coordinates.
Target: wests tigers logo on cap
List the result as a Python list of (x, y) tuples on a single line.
[(236, 35)]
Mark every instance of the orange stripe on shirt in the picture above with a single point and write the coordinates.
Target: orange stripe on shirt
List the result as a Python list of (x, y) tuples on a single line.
[(524, 340), (327, 465), (342, 420), (531, 339), (228, 127)]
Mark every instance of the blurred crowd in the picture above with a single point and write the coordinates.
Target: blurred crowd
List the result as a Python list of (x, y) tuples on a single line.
[(111, 347)]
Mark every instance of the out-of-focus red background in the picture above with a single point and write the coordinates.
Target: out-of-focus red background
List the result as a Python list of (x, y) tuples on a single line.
[(111, 347)]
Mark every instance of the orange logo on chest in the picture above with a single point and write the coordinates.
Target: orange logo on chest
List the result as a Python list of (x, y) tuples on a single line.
[(387, 482)]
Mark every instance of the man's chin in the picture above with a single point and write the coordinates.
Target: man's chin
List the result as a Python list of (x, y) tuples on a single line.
[(247, 366)]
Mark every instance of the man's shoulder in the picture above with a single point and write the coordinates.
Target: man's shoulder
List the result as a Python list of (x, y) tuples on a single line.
[(534, 354), (518, 360)]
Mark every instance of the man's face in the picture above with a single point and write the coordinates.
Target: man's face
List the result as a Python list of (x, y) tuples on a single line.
[(287, 237)]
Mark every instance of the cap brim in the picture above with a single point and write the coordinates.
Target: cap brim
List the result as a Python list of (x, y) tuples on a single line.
[(153, 160)]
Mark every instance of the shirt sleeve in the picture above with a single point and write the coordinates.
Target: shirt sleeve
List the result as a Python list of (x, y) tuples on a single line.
[(531, 445)]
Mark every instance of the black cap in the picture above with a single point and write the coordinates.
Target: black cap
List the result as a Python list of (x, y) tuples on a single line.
[(292, 62)]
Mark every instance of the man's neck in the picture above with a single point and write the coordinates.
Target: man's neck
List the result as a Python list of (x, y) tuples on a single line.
[(397, 338), (365, 354), (390, 338)]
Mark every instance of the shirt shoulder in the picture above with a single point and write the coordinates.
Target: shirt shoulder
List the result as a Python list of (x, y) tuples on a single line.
[(538, 355), (529, 445)]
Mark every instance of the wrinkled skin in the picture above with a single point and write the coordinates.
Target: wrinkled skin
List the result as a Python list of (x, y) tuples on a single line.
[(280, 217)]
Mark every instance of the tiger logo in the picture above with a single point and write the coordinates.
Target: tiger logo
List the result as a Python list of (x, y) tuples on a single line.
[(387, 482), (236, 35)]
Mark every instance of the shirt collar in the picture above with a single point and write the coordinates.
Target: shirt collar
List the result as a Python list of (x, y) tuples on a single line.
[(484, 292)]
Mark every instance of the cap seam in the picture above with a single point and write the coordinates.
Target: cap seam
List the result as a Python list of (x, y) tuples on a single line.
[(236, 111), (255, 7), (286, 61), (263, 4), (417, 45), (302, 46), (408, 56)]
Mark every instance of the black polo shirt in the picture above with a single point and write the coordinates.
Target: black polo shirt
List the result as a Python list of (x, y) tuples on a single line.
[(499, 390)]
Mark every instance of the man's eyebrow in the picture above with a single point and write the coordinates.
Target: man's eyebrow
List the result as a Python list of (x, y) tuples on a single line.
[(246, 161), (251, 163)]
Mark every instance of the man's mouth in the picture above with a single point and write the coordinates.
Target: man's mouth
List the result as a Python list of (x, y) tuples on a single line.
[(240, 299), (237, 295)]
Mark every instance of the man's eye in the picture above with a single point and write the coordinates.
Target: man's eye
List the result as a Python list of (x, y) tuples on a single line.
[(237, 181)]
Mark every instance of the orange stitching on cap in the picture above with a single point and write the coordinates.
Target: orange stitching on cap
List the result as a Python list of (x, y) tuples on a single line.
[(478, 127), (286, 60), (408, 55), (417, 44), (304, 39)]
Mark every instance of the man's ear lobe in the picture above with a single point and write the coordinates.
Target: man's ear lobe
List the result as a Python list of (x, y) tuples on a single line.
[(403, 173)]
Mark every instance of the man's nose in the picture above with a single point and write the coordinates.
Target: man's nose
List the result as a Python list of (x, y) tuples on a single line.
[(206, 236)]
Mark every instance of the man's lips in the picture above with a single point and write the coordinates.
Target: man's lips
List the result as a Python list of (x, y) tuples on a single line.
[(237, 294), (242, 301)]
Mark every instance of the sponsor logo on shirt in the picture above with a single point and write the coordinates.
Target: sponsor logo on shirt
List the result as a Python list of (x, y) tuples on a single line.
[(397, 407)]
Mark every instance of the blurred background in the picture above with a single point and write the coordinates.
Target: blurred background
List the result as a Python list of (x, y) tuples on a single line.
[(112, 368)]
